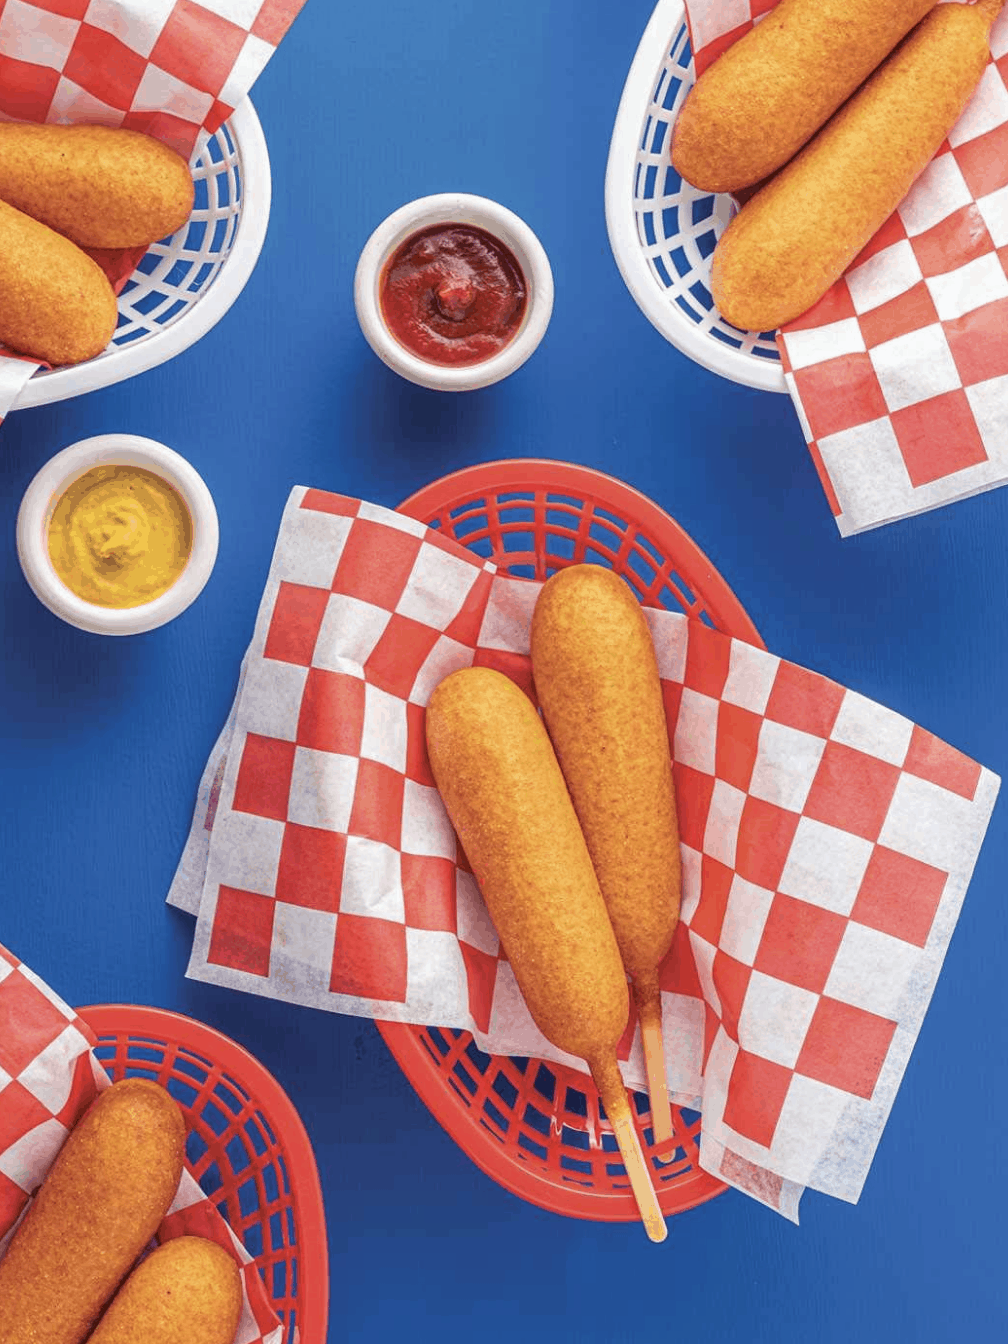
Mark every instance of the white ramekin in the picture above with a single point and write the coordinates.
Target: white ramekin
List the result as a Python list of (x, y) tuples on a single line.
[(454, 208), (40, 500)]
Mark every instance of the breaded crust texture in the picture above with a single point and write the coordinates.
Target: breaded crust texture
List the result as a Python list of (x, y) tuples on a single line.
[(56, 304), (498, 775), (799, 233), (766, 96), (97, 185), (596, 676), (109, 1188), (188, 1291)]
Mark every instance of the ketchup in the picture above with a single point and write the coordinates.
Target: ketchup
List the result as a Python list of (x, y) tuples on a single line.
[(453, 294)]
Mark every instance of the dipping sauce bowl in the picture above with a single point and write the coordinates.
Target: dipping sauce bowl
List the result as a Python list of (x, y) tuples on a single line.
[(189, 506), (453, 292)]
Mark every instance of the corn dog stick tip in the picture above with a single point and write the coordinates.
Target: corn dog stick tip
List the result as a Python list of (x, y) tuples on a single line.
[(617, 1107), (640, 1180)]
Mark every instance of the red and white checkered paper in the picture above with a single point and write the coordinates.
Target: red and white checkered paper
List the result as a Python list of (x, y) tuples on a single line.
[(827, 845), (49, 1076), (900, 373), (173, 69)]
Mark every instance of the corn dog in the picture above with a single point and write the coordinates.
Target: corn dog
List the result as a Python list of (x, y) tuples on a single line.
[(768, 94), (797, 236), (55, 302), (188, 1291), (99, 186), (506, 797), (596, 677), (106, 1193)]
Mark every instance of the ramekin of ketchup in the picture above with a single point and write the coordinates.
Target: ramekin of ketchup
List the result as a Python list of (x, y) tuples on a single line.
[(453, 292)]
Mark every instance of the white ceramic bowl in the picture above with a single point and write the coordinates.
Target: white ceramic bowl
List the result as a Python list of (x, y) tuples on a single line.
[(45, 491), (454, 208)]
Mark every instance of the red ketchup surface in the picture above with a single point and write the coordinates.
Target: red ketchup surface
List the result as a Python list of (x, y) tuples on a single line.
[(453, 294)]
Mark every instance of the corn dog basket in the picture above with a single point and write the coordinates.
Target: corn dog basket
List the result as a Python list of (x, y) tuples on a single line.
[(535, 1127), (184, 284), (246, 1147), (662, 230)]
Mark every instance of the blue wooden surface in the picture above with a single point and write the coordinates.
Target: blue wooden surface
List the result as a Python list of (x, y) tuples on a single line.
[(364, 108)]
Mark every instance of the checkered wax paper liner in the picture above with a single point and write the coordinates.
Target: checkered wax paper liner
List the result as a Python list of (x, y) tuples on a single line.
[(49, 1076), (827, 845), (900, 373), (173, 69)]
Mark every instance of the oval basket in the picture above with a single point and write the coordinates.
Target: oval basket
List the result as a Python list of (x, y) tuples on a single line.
[(184, 284), (246, 1146), (536, 1127), (662, 230)]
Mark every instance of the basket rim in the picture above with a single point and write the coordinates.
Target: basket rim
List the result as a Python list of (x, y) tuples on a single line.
[(678, 330), (480, 1147), (403, 1039), (513, 473), (302, 1171), (139, 356)]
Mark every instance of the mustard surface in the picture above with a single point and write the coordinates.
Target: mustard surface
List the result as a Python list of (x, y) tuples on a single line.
[(119, 536)]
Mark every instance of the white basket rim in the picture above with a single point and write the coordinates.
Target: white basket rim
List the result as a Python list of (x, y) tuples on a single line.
[(750, 370), (173, 338)]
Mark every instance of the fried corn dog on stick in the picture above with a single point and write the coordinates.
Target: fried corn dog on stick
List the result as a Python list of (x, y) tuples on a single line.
[(111, 1184), (596, 677), (100, 186), (188, 1291), (799, 233), (501, 784), (56, 304), (768, 94)]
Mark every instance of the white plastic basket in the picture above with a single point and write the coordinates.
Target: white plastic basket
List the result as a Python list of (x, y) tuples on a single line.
[(186, 283), (663, 231)]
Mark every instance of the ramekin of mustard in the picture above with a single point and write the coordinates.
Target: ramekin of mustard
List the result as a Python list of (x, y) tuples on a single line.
[(117, 534)]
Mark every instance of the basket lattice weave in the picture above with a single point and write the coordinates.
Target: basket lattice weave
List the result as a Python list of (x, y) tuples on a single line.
[(662, 230), (173, 274), (538, 1128)]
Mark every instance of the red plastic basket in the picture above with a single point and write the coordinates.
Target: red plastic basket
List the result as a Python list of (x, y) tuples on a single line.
[(535, 1127), (246, 1146)]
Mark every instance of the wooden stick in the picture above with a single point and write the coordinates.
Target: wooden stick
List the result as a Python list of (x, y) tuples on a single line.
[(617, 1107), (648, 999)]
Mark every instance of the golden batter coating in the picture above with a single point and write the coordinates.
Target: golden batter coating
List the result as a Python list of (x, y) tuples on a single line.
[(596, 676), (188, 1291), (505, 794), (56, 304), (109, 1188), (501, 784), (97, 185), (597, 680), (797, 236), (768, 93)]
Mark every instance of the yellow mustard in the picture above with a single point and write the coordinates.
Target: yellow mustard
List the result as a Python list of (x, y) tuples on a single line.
[(120, 536)]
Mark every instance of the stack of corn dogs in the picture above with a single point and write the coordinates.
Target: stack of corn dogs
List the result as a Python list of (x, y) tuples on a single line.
[(71, 1260), (64, 189), (830, 109), (570, 828)]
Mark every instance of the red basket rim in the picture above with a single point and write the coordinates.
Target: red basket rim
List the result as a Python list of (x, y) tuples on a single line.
[(480, 1147), (513, 473), (306, 1192), (726, 611)]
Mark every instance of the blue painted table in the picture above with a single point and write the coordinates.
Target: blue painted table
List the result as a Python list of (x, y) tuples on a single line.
[(103, 741)]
